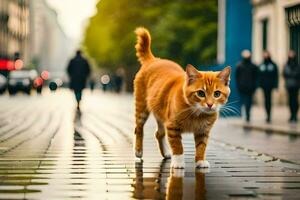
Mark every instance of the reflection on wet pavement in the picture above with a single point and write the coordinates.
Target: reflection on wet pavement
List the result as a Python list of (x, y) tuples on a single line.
[(60, 154)]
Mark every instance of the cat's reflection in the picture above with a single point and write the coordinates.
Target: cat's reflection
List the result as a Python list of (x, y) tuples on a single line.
[(176, 185), (148, 187)]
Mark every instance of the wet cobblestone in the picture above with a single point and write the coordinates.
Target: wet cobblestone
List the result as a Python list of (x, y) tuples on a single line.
[(49, 152)]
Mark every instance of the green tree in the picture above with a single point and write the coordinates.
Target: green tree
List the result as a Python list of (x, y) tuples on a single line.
[(182, 30)]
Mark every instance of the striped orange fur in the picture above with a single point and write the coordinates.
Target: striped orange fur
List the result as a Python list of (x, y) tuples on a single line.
[(181, 101)]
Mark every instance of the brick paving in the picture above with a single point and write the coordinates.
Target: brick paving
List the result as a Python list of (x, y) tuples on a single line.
[(47, 151)]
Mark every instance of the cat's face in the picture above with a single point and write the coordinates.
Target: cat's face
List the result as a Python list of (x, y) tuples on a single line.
[(207, 91)]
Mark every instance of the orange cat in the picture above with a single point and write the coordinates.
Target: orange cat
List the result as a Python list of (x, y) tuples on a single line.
[(180, 101)]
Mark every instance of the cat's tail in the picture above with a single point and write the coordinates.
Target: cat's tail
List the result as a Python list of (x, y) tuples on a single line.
[(143, 45)]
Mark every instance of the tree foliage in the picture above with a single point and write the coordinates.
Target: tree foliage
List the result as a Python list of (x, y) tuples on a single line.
[(182, 30)]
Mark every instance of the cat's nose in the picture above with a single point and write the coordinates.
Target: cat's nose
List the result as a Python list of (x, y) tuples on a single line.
[(209, 105)]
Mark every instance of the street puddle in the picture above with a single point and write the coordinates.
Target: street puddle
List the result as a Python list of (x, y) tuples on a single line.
[(169, 183)]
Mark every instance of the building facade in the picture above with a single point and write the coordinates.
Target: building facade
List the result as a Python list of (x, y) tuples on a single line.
[(234, 35), (50, 47), (276, 28), (29, 30), (14, 31)]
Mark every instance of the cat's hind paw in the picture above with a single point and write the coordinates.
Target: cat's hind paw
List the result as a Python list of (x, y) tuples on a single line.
[(202, 164), (167, 156), (138, 160), (177, 162)]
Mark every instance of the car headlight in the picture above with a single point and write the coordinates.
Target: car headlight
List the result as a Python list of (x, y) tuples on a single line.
[(3, 80), (12, 82)]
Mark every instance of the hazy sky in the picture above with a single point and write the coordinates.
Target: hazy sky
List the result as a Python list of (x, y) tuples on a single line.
[(73, 15)]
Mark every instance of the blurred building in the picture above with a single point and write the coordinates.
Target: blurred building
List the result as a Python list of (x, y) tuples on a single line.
[(234, 35), (276, 28), (258, 25), (50, 47), (30, 30), (14, 29)]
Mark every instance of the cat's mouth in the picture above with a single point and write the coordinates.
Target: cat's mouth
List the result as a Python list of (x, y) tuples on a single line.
[(209, 110)]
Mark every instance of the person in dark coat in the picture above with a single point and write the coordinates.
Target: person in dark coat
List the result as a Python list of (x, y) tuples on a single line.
[(268, 80), (78, 71), (246, 80), (118, 83), (291, 74)]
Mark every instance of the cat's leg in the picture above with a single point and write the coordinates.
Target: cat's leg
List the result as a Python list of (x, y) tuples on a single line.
[(174, 138), (201, 143), (141, 116), (161, 140)]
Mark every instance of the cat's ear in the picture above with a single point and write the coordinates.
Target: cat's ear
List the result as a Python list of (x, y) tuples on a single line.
[(192, 74), (224, 75)]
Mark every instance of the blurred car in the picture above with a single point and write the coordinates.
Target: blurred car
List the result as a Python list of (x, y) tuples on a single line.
[(3, 83), (21, 80)]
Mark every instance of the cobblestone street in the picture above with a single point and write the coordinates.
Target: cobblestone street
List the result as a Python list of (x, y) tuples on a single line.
[(47, 151)]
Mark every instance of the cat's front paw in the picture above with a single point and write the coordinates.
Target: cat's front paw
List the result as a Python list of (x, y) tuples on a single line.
[(177, 162), (202, 164)]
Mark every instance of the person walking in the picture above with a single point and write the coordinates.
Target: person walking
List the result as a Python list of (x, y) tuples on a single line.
[(268, 80), (291, 73), (78, 71), (246, 80)]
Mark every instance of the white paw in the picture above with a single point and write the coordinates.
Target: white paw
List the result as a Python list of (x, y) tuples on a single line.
[(177, 162), (166, 148), (138, 160), (178, 173), (167, 156), (202, 164)]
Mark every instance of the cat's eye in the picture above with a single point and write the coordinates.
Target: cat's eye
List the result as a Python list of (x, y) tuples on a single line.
[(217, 94), (201, 93)]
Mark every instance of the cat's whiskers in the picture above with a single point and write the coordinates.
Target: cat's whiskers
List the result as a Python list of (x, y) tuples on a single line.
[(230, 109), (230, 103), (234, 109)]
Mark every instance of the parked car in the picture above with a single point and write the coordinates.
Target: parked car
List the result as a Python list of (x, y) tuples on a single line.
[(21, 80), (3, 83)]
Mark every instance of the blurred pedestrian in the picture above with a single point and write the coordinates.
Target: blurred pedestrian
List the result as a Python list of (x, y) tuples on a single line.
[(92, 84), (246, 80), (268, 80), (118, 82), (78, 71), (291, 74)]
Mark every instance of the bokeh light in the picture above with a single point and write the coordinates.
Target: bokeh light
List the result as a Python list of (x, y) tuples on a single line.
[(45, 75), (105, 79), (19, 64)]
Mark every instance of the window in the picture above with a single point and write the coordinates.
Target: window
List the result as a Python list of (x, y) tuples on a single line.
[(295, 40), (293, 17), (265, 34)]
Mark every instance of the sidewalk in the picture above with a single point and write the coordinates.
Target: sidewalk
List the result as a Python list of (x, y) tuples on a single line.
[(279, 124)]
